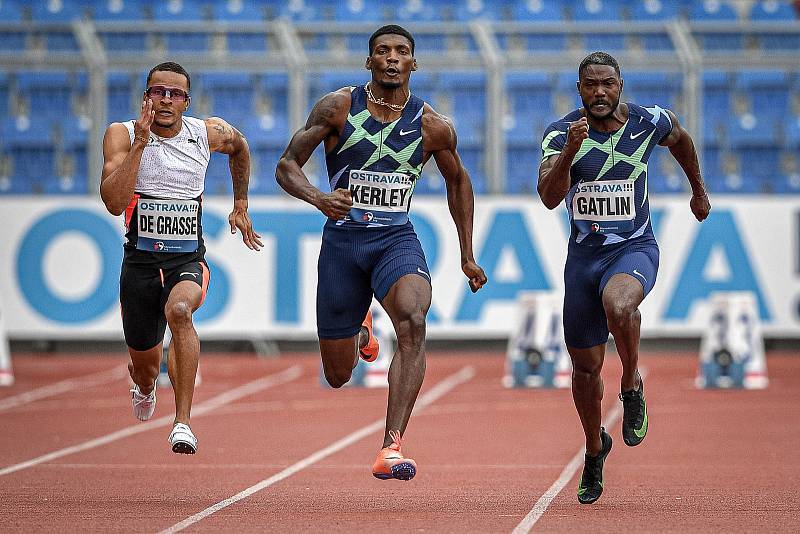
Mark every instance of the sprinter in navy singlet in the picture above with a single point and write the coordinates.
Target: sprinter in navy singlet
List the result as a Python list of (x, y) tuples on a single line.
[(377, 138), (154, 172), (595, 159)]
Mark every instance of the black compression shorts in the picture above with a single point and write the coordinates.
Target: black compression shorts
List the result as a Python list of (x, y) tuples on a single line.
[(143, 294)]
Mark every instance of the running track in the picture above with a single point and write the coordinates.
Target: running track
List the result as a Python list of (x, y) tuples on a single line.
[(279, 453)]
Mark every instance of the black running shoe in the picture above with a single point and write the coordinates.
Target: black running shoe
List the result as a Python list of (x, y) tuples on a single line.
[(634, 418), (591, 485)]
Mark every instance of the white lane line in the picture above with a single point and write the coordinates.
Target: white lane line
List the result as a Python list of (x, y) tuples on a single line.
[(109, 375), (232, 395), (430, 396), (569, 471)]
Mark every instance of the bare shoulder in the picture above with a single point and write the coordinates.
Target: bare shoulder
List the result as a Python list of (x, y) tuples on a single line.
[(332, 108), (117, 137), (438, 130)]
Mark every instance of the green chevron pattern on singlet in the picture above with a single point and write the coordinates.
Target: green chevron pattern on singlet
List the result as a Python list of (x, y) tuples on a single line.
[(634, 159), (402, 157)]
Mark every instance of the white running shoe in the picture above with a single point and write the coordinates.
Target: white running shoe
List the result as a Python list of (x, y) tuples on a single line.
[(182, 439), (143, 405)]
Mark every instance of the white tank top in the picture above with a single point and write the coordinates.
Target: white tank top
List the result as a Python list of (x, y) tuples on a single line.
[(174, 167)]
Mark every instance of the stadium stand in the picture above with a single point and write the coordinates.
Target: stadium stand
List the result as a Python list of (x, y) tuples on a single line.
[(748, 118)]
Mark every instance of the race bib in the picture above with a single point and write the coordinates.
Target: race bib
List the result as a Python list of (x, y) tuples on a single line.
[(604, 206), (380, 198), (168, 225)]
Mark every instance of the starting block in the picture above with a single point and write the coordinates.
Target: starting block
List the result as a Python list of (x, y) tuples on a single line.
[(537, 356), (732, 348), (374, 374)]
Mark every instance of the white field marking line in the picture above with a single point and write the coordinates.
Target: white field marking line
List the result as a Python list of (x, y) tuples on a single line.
[(232, 395), (569, 471), (429, 397), (109, 375)]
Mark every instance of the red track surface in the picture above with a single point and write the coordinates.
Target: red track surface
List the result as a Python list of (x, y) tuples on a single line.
[(713, 460)]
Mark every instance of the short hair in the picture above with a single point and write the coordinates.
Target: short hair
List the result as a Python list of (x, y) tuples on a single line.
[(392, 29), (170, 66), (599, 58)]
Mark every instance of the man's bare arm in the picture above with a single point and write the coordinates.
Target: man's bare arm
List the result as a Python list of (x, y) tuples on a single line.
[(225, 139), (326, 119), (121, 160), (554, 176), (681, 146), (441, 142)]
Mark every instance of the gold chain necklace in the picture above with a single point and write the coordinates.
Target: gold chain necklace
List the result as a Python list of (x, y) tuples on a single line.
[(382, 102)]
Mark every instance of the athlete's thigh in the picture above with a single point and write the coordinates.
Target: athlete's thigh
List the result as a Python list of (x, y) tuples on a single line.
[(585, 322), (409, 295), (401, 255), (640, 263), (343, 288), (187, 283), (143, 321)]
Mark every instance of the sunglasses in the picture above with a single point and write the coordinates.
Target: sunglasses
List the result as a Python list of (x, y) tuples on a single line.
[(159, 91)]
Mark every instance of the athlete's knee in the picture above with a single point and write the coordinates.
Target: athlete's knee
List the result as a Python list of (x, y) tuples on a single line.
[(179, 313), (336, 378), (412, 327), (621, 312)]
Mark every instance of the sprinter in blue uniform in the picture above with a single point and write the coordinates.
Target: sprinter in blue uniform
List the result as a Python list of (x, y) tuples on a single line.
[(595, 159), (377, 138)]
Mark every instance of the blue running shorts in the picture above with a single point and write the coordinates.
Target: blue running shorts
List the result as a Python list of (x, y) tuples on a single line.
[(586, 273), (355, 263)]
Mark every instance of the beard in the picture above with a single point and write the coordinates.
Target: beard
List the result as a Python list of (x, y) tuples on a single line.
[(612, 108), (391, 84)]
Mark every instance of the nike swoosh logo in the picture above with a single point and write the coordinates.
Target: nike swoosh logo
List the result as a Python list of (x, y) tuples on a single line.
[(402, 133), (420, 271), (643, 430), (637, 135), (192, 274), (637, 273)]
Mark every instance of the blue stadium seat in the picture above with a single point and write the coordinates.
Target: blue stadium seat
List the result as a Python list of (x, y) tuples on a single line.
[(717, 87), (11, 41), (32, 154), (767, 91), (773, 10), (238, 11), (787, 184), (120, 10), (266, 130), (792, 134), (663, 173), (4, 96), (267, 157), (359, 11), (530, 97), (593, 10), (49, 11), (427, 43), (418, 11), (762, 132), (232, 94), (479, 9), (10, 11), (522, 168), (708, 10), (612, 43), (783, 43), (218, 176), (720, 42), (431, 183), (657, 42), (761, 162), (121, 88), (49, 93), (306, 10), (652, 88), (467, 91), (182, 11), (538, 10), (655, 10)]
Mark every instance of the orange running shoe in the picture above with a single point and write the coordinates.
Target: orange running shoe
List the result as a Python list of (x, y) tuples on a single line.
[(391, 463), (369, 352)]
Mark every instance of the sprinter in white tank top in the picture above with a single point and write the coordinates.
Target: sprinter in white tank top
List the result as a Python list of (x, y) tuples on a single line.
[(154, 172)]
